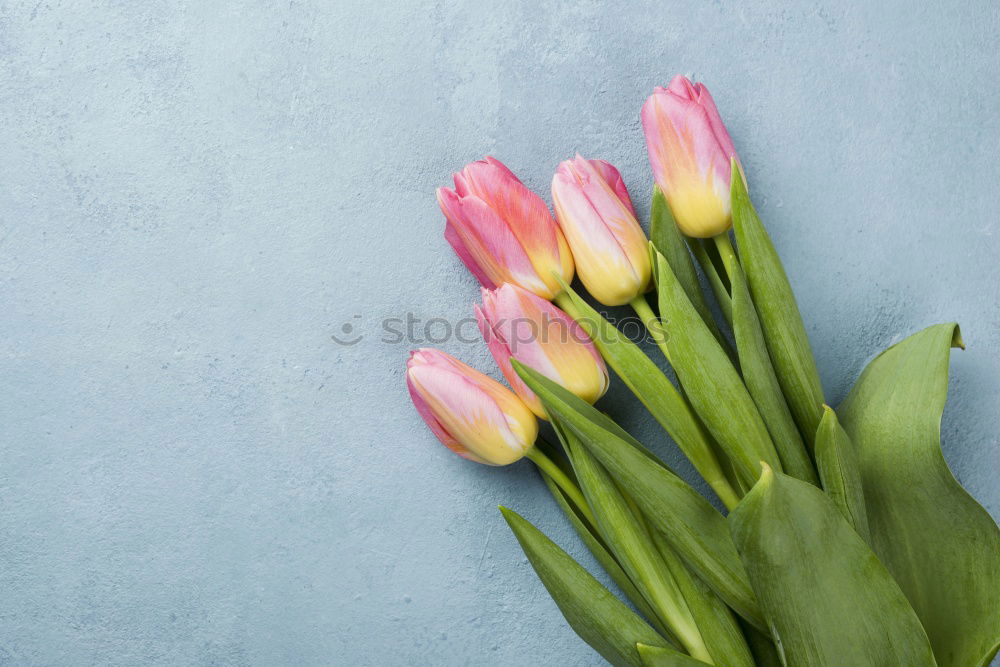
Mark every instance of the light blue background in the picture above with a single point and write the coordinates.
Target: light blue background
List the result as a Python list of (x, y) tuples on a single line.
[(195, 196)]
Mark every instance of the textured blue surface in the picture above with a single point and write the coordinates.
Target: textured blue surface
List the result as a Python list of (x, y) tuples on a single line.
[(194, 197)]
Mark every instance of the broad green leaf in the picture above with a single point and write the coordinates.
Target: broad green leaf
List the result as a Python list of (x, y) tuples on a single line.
[(668, 240), (601, 619), (710, 381), (840, 472), (765, 653), (654, 390), (719, 288), (689, 522), (780, 320), (657, 656), (716, 623), (762, 383), (826, 596), (597, 547), (634, 548), (941, 546)]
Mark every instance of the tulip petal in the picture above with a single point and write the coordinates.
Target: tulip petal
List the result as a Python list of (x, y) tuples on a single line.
[(616, 212), (493, 247), (690, 150), (521, 325), (436, 426), (501, 354), (525, 212), (609, 246), (682, 87), (610, 175), (718, 127), (469, 413), (472, 414), (565, 347), (453, 238), (688, 144), (594, 245)]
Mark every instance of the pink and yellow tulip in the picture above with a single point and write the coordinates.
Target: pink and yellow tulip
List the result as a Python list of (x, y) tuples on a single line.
[(520, 325), (690, 150), (595, 213), (502, 231), (471, 414)]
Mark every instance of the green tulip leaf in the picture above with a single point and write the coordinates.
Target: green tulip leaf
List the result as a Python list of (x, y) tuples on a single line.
[(600, 552), (601, 619), (710, 381), (714, 619), (634, 548), (780, 319), (657, 656), (840, 472), (689, 522), (654, 390), (826, 596), (941, 546), (761, 381), (765, 653), (667, 239), (720, 289)]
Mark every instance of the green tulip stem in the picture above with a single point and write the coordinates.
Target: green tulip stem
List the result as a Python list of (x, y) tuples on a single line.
[(645, 313), (701, 456), (726, 252), (556, 474), (564, 301)]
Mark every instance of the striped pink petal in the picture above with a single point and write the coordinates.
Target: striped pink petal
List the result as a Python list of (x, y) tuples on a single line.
[(488, 243), (613, 178), (596, 215), (520, 325), (470, 413), (690, 150), (507, 214)]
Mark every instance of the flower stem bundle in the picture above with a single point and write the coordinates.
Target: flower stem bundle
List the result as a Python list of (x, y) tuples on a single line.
[(830, 537)]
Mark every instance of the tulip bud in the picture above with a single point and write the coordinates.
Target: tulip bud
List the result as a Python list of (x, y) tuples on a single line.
[(596, 215), (471, 414), (520, 325), (503, 232), (689, 150)]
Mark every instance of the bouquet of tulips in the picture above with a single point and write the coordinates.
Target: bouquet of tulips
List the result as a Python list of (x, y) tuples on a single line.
[(845, 538)]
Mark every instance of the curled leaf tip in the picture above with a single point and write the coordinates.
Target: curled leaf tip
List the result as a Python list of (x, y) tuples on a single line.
[(956, 338), (829, 415)]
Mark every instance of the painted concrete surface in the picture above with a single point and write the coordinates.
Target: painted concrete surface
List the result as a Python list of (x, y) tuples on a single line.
[(195, 198)]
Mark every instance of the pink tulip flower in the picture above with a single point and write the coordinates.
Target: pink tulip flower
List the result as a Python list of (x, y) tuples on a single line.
[(471, 414), (690, 150), (503, 232), (520, 325), (595, 213)]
